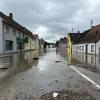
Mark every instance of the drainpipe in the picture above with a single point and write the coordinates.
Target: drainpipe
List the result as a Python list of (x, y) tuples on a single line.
[(3, 38), (95, 55), (86, 48), (35, 47)]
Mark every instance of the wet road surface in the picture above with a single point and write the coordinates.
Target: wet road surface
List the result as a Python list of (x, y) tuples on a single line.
[(29, 79)]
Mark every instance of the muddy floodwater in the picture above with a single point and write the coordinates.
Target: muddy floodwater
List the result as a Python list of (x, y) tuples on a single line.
[(90, 62), (22, 77)]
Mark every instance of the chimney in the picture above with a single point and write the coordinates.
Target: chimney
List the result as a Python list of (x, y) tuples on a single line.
[(91, 23), (11, 15), (78, 32)]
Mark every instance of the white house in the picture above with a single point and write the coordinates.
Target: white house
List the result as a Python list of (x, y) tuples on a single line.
[(84, 48), (13, 36), (90, 44)]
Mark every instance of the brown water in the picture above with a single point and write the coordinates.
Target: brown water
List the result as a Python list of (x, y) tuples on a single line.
[(30, 79)]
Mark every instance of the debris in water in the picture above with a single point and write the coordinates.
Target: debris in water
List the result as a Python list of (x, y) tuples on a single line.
[(55, 95), (68, 95), (56, 81), (58, 61), (42, 88), (35, 58)]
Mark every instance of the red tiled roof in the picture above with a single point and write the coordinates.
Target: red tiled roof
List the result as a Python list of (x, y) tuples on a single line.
[(93, 35), (77, 37)]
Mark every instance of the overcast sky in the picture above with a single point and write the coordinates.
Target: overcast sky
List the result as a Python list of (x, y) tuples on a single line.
[(52, 19)]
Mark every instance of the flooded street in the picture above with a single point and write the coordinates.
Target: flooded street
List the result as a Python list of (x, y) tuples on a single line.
[(26, 78)]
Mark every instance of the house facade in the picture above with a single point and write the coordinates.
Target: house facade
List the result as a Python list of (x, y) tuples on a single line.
[(69, 44), (84, 48), (90, 44), (41, 42), (13, 36), (98, 48), (35, 42), (73, 38)]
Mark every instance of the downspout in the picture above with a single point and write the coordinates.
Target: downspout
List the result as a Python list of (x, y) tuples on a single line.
[(30, 43), (86, 48), (95, 55), (3, 39)]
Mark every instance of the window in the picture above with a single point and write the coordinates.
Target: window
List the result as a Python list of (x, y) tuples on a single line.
[(9, 45), (92, 48), (26, 39), (6, 29), (14, 32)]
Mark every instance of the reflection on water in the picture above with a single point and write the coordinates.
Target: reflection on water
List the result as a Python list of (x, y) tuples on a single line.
[(90, 62), (16, 63), (62, 51)]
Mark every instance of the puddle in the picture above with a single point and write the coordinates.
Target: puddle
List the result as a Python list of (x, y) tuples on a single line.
[(67, 95)]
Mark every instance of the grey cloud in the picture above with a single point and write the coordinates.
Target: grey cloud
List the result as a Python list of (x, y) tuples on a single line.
[(57, 16)]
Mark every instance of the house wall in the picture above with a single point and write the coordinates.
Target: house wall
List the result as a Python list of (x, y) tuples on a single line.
[(12, 37), (69, 49), (28, 45), (36, 43), (98, 48), (81, 48), (1, 36), (42, 44), (33, 44), (89, 48)]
